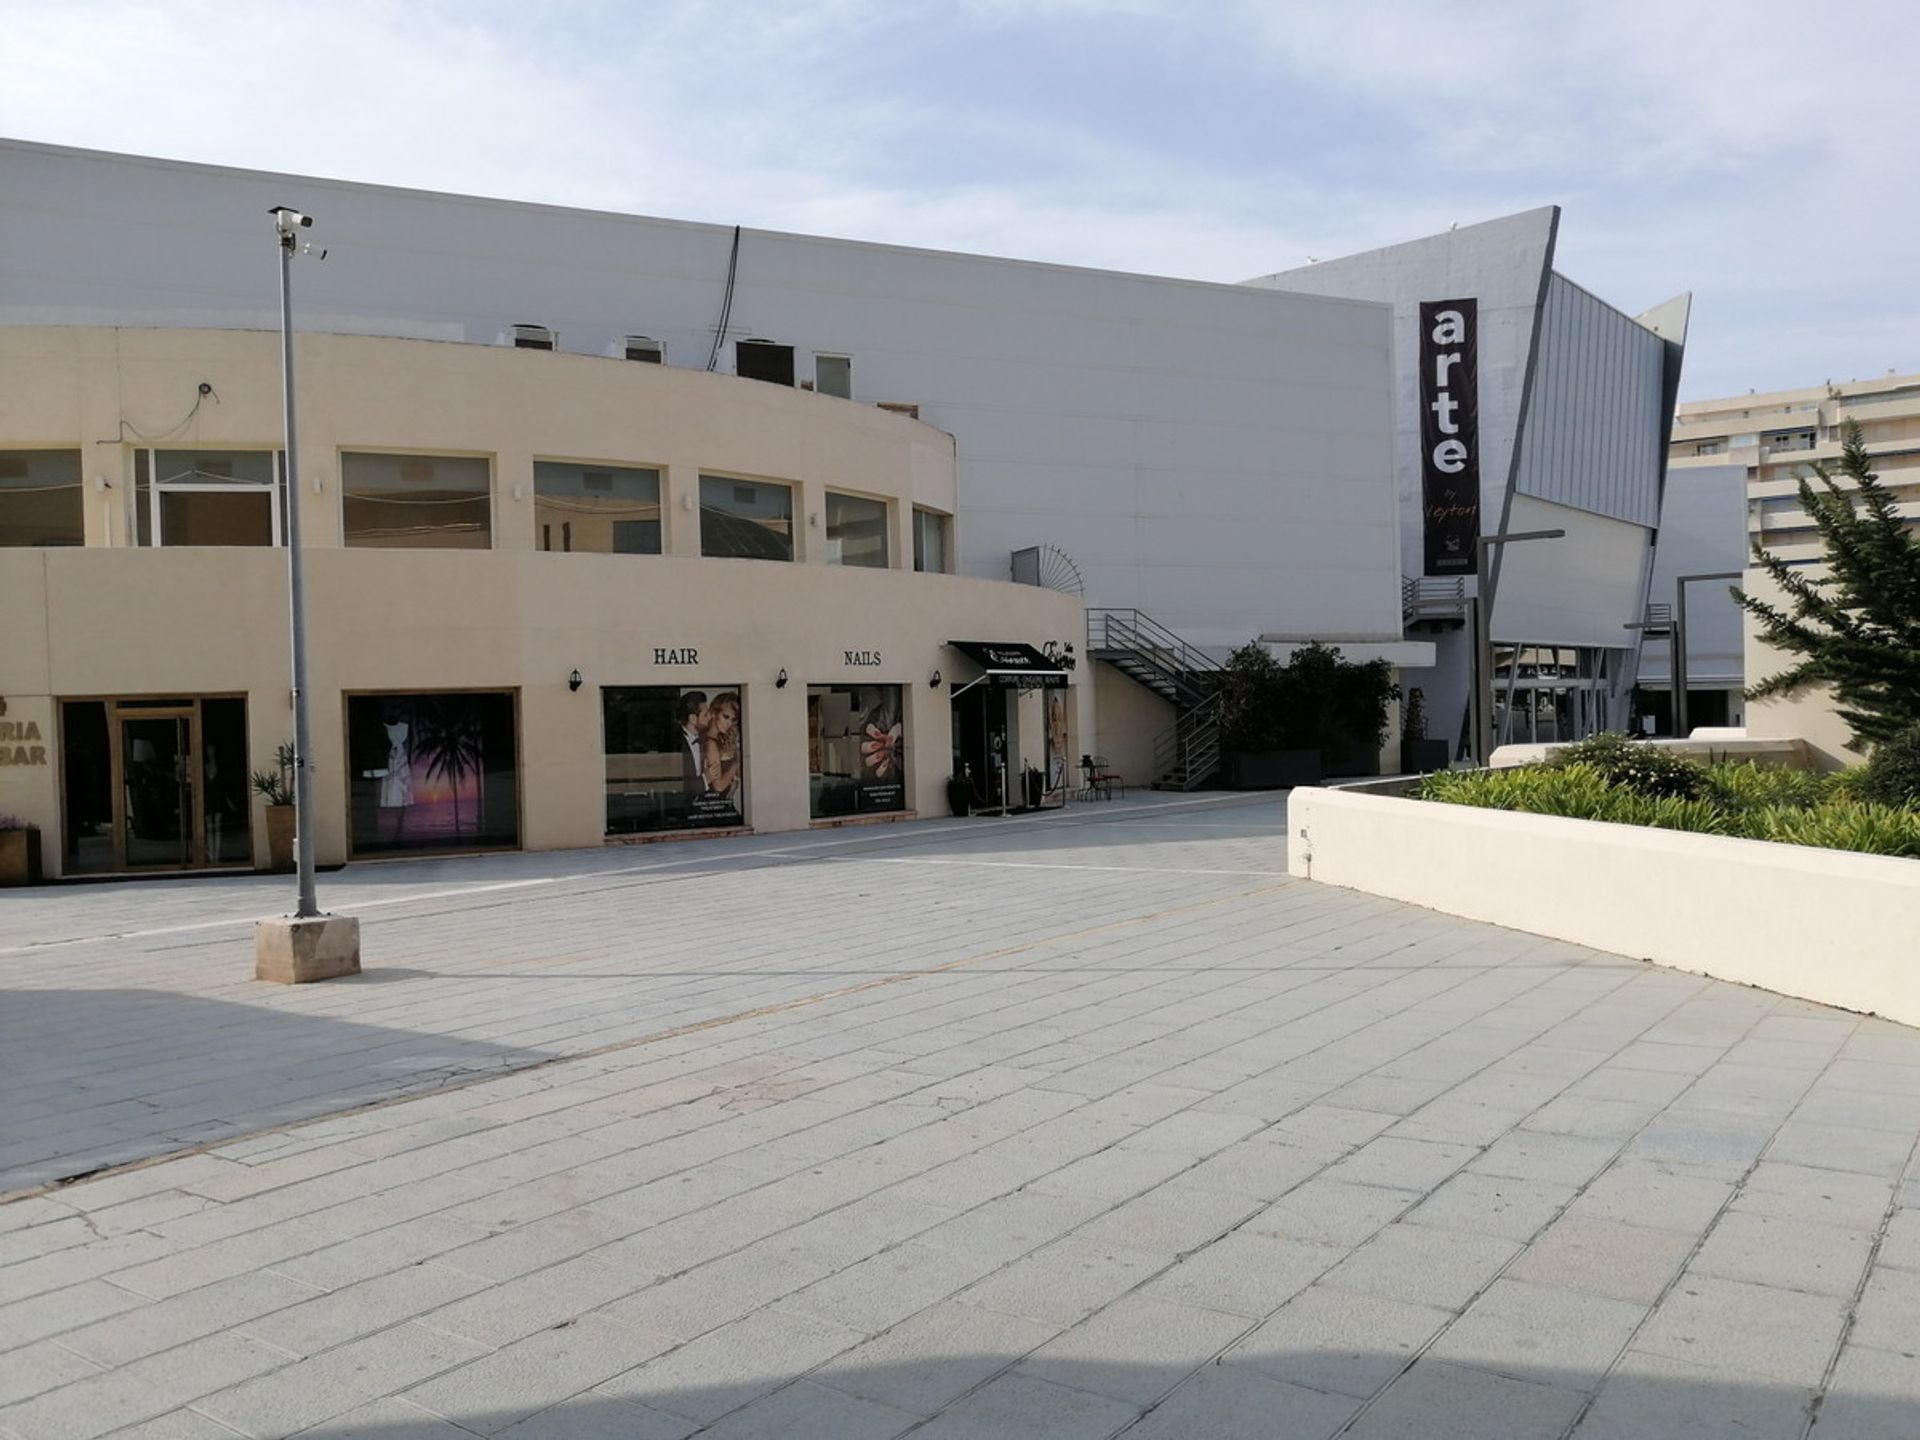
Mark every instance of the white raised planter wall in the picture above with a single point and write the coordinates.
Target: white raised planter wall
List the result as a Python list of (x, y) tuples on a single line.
[(1824, 925)]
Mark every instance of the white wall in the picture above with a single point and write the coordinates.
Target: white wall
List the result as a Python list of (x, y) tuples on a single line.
[(1216, 456), (1580, 590), (1703, 528)]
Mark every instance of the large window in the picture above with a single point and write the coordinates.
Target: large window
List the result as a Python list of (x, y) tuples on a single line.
[(206, 497), (856, 531), (606, 509), (417, 502), (746, 519), (930, 541), (676, 758), (856, 746), (433, 772), (41, 499)]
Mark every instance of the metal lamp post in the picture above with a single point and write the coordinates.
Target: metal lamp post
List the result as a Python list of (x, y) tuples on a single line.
[(305, 945), (289, 223), (1483, 640)]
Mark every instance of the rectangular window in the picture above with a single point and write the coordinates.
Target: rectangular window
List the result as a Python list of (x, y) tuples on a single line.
[(833, 375), (745, 519), (763, 360), (930, 541), (417, 502), (433, 772), (605, 509), (42, 501), (1789, 440), (1710, 447), (856, 747), (207, 497), (676, 758), (856, 531)]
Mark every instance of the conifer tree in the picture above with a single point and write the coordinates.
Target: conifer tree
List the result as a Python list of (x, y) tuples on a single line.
[(1852, 618)]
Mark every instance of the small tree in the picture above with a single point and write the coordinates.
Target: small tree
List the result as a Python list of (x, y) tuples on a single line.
[(1252, 715), (1854, 622)]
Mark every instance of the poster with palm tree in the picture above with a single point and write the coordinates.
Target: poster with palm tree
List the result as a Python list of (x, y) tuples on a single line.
[(432, 771)]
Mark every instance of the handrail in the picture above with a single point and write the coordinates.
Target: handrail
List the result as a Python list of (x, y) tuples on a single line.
[(1130, 629), (1191, 745)]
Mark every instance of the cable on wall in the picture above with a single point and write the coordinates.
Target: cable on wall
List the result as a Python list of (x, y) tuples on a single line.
[(726, 304)]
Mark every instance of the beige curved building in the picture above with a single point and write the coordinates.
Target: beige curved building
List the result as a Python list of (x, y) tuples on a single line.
[(553, 600)]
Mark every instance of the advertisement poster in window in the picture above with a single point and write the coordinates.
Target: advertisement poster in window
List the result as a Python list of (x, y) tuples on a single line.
[(433, 772), (858, 743), (676, 758)]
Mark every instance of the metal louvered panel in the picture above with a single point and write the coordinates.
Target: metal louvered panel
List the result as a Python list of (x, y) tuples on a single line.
[(1592, 438)]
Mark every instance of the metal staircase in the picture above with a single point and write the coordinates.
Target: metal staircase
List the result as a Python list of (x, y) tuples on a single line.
[(1436, 600), (1152, 654), (1187, 753)]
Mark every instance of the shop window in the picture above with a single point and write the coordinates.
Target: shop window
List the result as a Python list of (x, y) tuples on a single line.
[(763, 360), (856, 531), (207, 497), (856, 750), (745, 519), (833, 375), (603, 509), (930, 529), (433, 772), (417, 502), (42, 502), (676, 758)]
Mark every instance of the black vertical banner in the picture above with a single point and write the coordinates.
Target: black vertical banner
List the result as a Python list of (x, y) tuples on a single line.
[(1450, 433)]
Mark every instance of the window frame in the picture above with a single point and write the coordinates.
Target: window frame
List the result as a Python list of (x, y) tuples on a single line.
[(885, 503), (820, 355), (155, 487), (486, 458), (79, 487), (946, 542), (659, 473), (795, 499)]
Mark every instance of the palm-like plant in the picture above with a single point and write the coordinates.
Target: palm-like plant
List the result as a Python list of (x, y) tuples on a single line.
[(449, 739)]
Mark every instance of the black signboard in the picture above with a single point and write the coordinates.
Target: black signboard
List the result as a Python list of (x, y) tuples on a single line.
[(1450, 434)]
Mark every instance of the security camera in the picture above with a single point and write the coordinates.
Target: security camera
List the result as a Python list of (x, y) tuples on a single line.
[(285, 215)]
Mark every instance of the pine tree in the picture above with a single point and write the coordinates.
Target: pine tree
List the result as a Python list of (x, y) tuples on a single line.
[(1853, 619)]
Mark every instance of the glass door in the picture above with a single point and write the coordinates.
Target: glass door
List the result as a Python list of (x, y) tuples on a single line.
[(157, 782)]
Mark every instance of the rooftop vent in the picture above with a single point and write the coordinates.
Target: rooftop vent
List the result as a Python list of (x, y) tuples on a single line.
[(534, 337), (646, 349)]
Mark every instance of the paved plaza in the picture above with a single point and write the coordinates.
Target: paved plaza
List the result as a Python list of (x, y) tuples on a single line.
[(1080, 1125)]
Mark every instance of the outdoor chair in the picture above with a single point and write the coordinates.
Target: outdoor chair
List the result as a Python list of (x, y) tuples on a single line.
[(1101, 778)]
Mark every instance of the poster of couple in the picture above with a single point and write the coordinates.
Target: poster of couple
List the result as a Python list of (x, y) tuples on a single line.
[(676, 758)]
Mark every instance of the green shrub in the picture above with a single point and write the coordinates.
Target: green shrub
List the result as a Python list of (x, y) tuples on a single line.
[(1741, 785), (1634, 765), (1893, 770), (1874, 829)]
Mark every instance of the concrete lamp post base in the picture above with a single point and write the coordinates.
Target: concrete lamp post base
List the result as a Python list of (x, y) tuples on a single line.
[(288, 951)]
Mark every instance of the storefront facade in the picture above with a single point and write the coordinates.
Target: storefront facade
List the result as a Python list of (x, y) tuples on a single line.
[(553, 601)]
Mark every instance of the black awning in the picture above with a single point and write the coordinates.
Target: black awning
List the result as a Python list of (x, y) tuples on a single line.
[(1011, 662)]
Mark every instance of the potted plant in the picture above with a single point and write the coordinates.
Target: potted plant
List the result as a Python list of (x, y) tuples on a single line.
[(1418, 754), (275, 786), (19, 851), (1257, 740)]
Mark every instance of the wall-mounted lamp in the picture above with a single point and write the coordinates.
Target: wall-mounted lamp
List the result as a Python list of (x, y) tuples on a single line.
[(933, 681), (780, 681), (813, 519), (573, 681), (686, 502), (519, 492), (319, 485)]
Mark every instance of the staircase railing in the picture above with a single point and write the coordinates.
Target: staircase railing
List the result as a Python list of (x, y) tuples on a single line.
[(1188, 751), (1432, 597), (1130, 632)]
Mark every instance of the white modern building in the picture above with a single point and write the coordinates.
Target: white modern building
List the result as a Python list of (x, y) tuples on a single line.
[(1575, 401), (1190, 465)]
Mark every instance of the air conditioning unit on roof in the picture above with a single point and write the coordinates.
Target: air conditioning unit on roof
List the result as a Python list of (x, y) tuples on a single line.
[(534, 337)]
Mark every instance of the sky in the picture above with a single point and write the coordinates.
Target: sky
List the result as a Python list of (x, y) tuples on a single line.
[(1764, 155)]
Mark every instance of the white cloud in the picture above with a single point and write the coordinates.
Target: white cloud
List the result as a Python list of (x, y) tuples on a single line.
[(1712, 146)]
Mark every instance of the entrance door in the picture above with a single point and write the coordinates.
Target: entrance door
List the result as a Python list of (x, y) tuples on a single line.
[(157, 785)]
